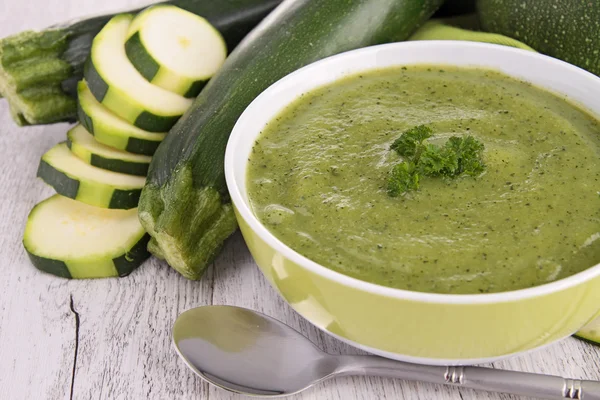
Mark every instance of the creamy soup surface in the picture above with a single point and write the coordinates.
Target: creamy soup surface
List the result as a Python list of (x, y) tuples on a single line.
[(317, 180)]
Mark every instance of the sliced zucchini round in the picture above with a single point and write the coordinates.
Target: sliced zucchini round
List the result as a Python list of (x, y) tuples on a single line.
[(115, 82), (84, 146), (175, 49), (590, 332), (71, 239), (110, 129), (74, 178)]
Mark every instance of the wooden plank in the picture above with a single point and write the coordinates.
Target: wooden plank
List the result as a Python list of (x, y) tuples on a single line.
[(37, 330), (125, 349)]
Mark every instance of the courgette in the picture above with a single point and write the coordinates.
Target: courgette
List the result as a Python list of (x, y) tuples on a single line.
[(74, 178), (452, 8), (71, 239), (111, 130), (83, 145), (590, 332), (175, 49), (117, 85), (564, 29), (184, 205), (39, 71)]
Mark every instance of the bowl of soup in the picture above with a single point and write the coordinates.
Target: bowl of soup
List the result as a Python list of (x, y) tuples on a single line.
[(460, 268)]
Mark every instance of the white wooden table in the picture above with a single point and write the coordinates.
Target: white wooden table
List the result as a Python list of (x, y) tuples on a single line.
[(110, 339)]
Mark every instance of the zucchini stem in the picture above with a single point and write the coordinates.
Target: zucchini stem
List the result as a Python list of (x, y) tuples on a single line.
[(31, 74), (188, 225)]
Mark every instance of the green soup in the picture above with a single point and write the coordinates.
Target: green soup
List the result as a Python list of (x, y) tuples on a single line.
[(317, 180)]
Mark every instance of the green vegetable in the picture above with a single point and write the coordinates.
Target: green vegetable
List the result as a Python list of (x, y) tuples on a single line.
[(185, 206), (74, 178), (467, 156), (410, 143), (590, 332), (39, 71), (456, 7), (565, 29), (438, 161), (71, 239), (445, 30), (403, 178), (83, 145), (118, 86), (459, 155), (111, 130), (175, 49)]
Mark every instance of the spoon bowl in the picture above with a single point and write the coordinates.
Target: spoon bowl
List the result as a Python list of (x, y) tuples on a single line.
[(246, 352)]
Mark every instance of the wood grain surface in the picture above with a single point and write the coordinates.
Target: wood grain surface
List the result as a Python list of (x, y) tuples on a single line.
[(110, 339)]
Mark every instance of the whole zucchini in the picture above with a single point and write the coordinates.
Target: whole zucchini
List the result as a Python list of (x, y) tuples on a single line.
[(452, 8), (39, 71), (565, 29), (185, 205)]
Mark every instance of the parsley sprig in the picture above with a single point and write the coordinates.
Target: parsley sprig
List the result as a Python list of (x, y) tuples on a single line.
[(458, 156)]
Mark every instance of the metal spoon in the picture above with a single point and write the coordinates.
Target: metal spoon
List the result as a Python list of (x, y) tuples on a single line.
[(247, 352)]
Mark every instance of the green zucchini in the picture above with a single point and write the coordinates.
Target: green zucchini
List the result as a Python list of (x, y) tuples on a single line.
[(565, 29), (442, 29), (590, 332), (185, 206), (175, 49), (83, 145), (111, 130), (74, 178), (39, 71), (70, 239), (116, 84), (452, 8)]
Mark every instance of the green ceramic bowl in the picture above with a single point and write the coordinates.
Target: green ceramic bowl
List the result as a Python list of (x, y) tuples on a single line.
[(412, 326)]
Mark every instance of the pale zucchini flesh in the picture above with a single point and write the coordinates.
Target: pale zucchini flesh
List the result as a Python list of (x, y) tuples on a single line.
[(175, 49), (110, 129), (115, 82), (83, 145), (74, 178), (71, 239)]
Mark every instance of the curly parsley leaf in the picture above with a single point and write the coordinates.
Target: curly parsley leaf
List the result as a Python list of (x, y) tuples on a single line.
[(438, 161), (403, 177), (469, 152), (409, 143)]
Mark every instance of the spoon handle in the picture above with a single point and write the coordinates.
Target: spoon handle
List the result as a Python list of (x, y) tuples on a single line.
[(494, 380)]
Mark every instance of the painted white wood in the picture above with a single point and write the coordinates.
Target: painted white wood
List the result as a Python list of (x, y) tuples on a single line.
[(124, 349)]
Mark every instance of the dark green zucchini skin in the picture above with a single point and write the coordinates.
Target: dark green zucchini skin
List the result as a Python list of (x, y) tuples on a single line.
[(565, 29), (452, 8), (45, 91), (124, 265), (297, 33)]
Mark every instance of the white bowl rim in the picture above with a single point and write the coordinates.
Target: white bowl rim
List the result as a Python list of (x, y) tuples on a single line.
[(258, 228)]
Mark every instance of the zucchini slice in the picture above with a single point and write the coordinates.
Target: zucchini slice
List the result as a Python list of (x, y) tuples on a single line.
[(116, 83), (74, 178), (71, 239), (84, 146), (175, 49), (110, 129), (590, 332)]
